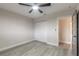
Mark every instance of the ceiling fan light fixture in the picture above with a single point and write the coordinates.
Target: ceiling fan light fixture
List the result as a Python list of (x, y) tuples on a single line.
[(35, 7)]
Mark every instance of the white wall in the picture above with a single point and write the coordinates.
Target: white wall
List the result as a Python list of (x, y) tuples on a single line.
[(41, 31), (45, 31), (51, 36), (14, 29)]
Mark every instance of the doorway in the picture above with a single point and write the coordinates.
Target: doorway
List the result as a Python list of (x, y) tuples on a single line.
[(65, 32)]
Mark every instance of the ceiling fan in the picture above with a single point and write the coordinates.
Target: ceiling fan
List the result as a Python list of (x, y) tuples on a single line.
[(35, 6)]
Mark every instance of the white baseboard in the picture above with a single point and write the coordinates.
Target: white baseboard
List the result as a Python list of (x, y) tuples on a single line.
[(21, 43), (48, 43), (3, 49), (40, 41), (52, 44)]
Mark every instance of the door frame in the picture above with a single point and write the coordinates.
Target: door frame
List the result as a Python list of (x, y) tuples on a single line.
[(76, 13), (77, 33)]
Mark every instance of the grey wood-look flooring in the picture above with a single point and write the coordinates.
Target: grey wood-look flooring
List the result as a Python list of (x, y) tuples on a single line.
[(36, 48)]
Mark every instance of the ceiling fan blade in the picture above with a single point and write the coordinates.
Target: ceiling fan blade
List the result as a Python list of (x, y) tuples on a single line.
[(40, 11), (30, 10), (24, 4), (44, 5)]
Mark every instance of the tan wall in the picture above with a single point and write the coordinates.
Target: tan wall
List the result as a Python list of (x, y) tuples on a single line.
[(65, 29)]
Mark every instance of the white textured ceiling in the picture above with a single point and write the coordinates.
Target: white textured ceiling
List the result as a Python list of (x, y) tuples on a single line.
[(24, 10)]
